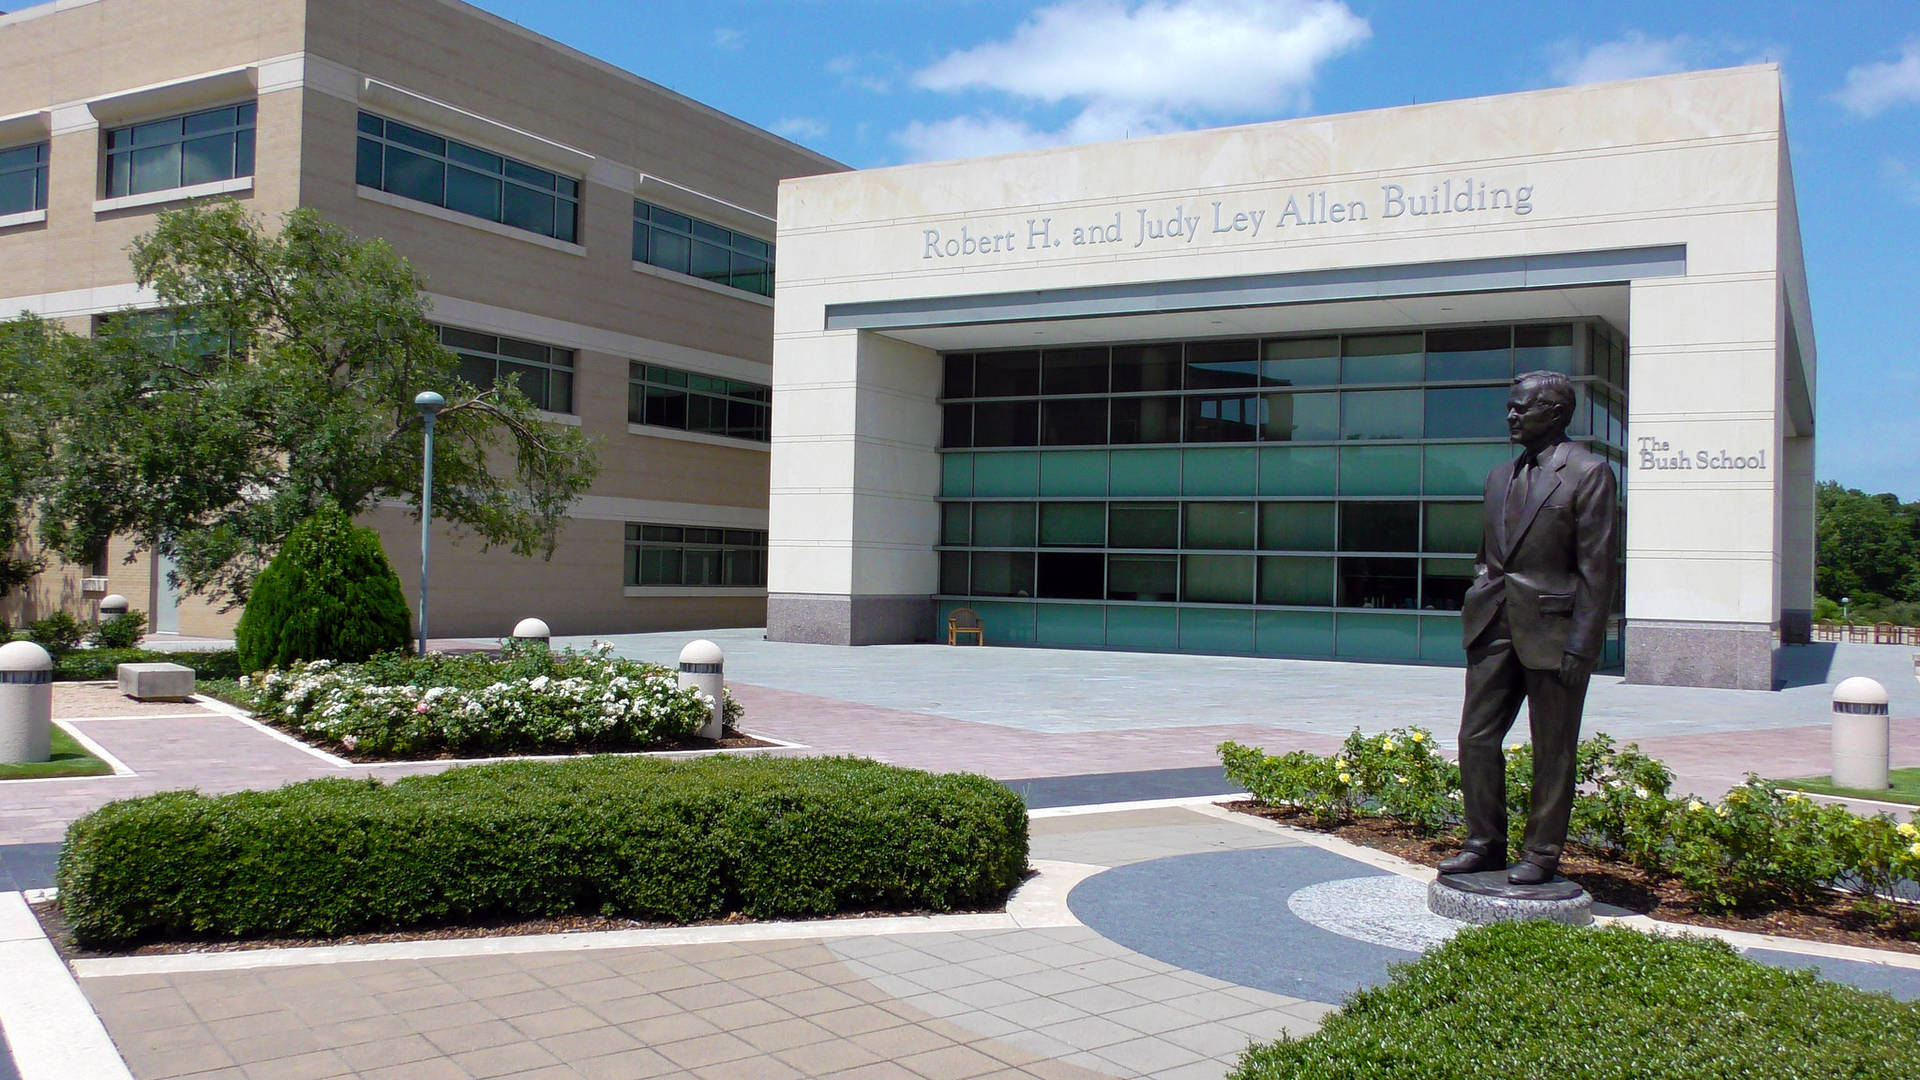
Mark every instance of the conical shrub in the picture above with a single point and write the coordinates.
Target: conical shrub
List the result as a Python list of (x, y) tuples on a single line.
[(330, 594)]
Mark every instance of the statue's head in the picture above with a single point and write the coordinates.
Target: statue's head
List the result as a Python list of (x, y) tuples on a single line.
[(1540, 407)]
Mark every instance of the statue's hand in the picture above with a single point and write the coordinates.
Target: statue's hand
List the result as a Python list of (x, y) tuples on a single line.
[(1574, 670)]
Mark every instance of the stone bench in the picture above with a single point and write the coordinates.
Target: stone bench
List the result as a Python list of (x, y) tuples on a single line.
[(156, 682)]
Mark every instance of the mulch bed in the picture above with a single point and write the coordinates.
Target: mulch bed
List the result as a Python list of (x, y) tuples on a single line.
[(1625, 886)]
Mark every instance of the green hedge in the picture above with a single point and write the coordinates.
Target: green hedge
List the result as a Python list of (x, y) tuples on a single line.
[(674, 841), (92, 665), (1540, 999)]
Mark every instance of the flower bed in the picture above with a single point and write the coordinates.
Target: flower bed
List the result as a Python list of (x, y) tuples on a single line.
[(528, 700), (1755, 850)]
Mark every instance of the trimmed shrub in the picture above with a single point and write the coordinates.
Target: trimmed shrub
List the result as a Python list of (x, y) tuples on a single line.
[(57, 633), (1541, 999), (1760, 847), (123, 631), (330, 594), (623, 836), (527, 700), (92, 665)]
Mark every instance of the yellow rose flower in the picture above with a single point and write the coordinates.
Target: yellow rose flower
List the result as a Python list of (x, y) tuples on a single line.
[(1907, 830), (1386, 744), (1347, 778), (1915, 850), (1418, 737), (1513, 748), (1793, 796), (1696, 806)]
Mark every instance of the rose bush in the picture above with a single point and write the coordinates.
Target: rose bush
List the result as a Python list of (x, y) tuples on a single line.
[(528, 700)]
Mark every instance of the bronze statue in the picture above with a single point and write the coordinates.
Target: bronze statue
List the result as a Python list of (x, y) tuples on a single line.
[(1533, 623)]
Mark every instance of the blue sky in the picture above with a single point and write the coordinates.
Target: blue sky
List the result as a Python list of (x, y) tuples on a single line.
[(876, 82)]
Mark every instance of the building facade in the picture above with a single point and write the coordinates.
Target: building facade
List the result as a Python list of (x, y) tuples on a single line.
[(1237, 391), (598, 238)]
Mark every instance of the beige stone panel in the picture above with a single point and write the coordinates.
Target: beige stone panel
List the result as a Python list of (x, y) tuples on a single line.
[(1680, 383), (814, 359), (1703, 589), (486, 65), (815, 465), (908, 370), (894, 418), (1676, 312), (1701, 518), (91, 50), (892, 469), (676, 470), (889, 570), (801, 411), (823, 516), (799, 566)]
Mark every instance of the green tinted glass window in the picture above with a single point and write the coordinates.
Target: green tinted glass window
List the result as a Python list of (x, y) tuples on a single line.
[(1144, 472), (1300, 418), (1378, 358), (1298, 470), (1453, 527), (998, 524), (1211, 630), (1381, 414), (1219, 472), (1296, 581), (1071, 625), (1142, 577), (1074, 472), (1289, 526), (1073, 524), (1219, 525), (1217, 579), (1006, 474), (1380, 470), (1144, 525), (1461, 469), (1301, 362)]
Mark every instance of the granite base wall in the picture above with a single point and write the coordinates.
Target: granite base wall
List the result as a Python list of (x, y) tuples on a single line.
[(825, 619), (1729, 656)]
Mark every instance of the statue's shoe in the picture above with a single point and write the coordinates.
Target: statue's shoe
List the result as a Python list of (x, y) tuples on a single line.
[(1531, 873), (1472, 862)]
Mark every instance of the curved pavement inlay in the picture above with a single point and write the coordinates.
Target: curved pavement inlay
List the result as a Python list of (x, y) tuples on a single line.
[(1226, 914)]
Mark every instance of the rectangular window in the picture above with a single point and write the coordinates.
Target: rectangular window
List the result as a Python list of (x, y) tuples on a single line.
[(708, 404), (701, 249), (23, 179), (697, 556), (542, 372), (180, 151), (404, 160)]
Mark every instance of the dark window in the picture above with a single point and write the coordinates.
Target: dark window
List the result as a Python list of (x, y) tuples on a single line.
[(1146, 420), (959, 380), (1006, 374), (688, 245), (1289, 526), (1379, 526), (1543, 348), (1453, 528), (1071, 576), (180, 151), (1073, 371), (1223, 418), (1478, 353), (1301, 418), (1144, 525), (541, 372), (1006, 423), (1073, 422), (1216, 579), (1444, 582), (23, 179), (689, 401), (1142, 577), (1222, 364), (1146, 367), (1002, 573), (404, 160), (695, 555), (956, 425), (1378, 583), (1301, 362)]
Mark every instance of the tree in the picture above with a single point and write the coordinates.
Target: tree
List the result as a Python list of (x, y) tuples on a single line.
[(278, 376), (28, 349), (330, 594), (1869, 546)]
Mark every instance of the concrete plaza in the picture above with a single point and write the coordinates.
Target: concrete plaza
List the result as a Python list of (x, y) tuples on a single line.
[(1161, 934)]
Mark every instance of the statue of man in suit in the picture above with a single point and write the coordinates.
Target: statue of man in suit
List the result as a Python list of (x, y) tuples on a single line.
[(1533, 623)]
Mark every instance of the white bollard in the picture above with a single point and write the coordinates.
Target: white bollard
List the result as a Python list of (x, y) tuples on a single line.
[(26, 703), (703, 667), (112, 605), (532, 630), (1860, 735)]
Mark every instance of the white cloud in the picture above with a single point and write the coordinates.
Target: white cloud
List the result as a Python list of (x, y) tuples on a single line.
[(799, 128), (1872, 88), (857, 71), (726, 37), (1632, 57), (1137, 69)]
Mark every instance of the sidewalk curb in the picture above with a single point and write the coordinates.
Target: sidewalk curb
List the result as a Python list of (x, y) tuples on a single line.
[(51, 1029)]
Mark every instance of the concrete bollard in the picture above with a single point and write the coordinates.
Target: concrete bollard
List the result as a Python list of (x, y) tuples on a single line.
[(703, 667), (1860, 735), (112, 606), (532, 630), (26, 703)]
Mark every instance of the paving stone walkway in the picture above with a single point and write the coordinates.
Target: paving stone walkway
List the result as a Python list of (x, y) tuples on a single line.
[(1158, 941)]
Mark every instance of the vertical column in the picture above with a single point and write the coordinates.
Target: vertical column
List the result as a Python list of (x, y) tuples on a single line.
[(855, 476), (1796, 540), (1703, 511)]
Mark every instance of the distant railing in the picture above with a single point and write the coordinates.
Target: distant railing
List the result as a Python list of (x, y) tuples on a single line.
[(1867, 634)]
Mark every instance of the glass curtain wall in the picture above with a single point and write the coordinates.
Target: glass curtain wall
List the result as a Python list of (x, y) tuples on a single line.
[(1281, 496)]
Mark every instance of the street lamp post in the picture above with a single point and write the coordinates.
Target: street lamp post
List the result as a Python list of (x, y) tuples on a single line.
[(1846, 605), (429, 404)]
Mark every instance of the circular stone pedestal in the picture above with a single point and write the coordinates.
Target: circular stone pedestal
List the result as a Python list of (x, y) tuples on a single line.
[(1487, 897)]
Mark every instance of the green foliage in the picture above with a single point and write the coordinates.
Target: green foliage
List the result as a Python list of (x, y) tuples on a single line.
[(123, 631), (330, 594), (1758, 848), (31, 349), (676, 841), (92, 665), (530, 700), (1868, 547), (1541, 999), (280, 374), (57, 633)]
